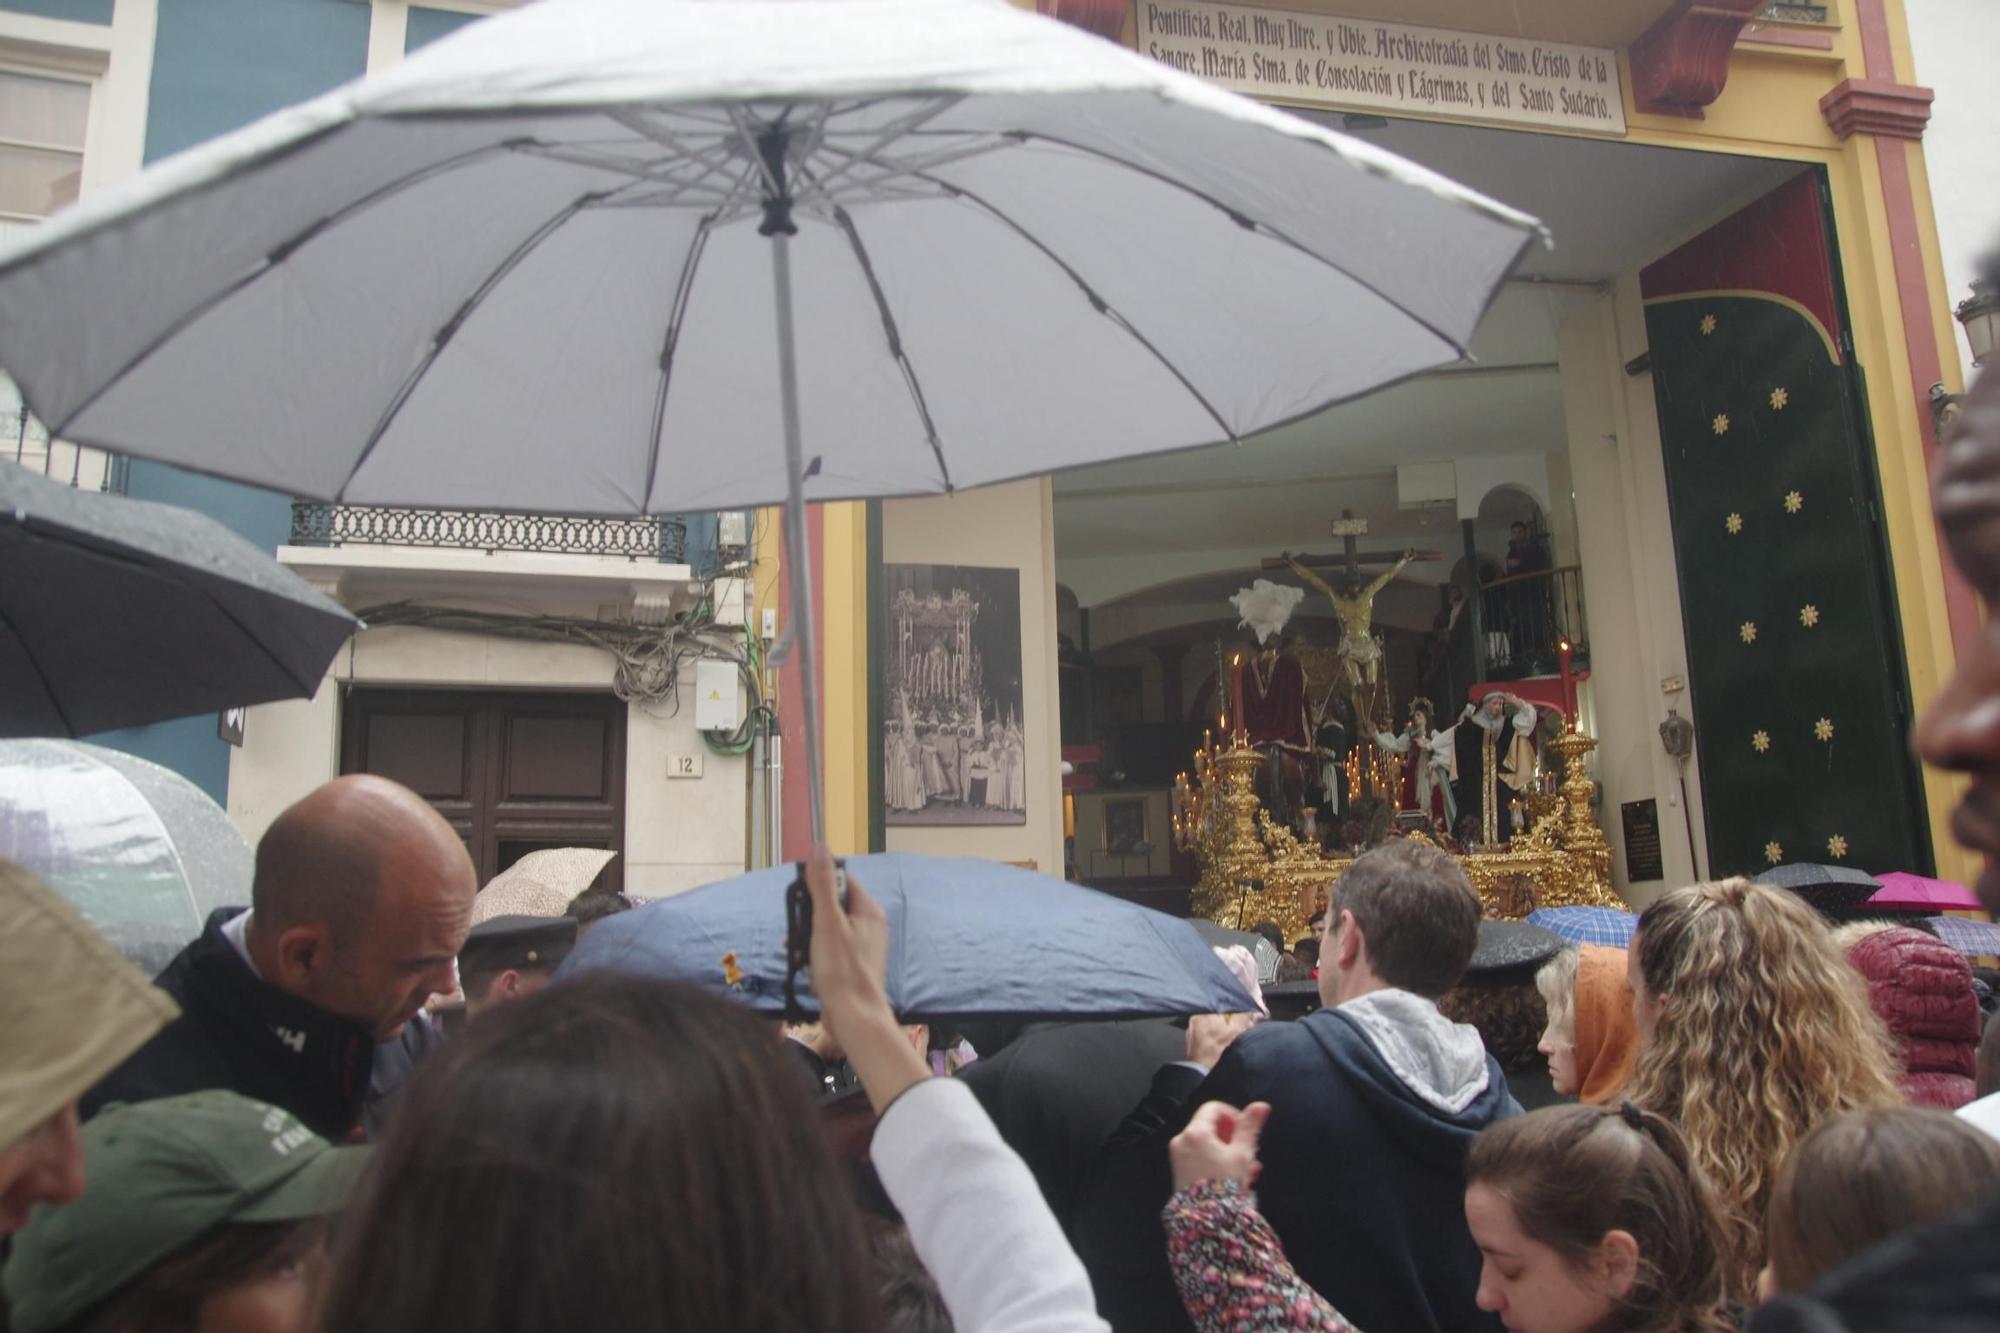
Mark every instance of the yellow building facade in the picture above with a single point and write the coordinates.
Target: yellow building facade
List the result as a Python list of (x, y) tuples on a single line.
[(1824, 87)]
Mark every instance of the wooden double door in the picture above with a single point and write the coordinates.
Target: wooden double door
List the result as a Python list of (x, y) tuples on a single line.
[(511, 772)]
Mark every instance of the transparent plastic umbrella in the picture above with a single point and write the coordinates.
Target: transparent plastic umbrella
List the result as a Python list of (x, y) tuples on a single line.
[(142, 852)]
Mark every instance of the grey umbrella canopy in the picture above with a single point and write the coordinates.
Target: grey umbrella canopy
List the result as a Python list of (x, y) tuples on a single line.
[(117, 612), (530, 266), (626, 256)]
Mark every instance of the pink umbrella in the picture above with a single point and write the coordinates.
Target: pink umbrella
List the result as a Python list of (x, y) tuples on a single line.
[(1915, 893)]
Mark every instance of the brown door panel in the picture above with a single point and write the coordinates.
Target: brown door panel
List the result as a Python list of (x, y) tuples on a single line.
[(511, 772)]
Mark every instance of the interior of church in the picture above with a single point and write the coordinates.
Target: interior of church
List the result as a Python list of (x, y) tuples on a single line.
[(1468, 471)]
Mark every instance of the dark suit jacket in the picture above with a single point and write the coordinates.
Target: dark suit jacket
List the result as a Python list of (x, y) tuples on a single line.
[(237, 1032), (1060, 1089)]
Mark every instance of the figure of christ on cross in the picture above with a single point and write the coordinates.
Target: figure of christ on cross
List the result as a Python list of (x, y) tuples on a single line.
[(1360, 654)]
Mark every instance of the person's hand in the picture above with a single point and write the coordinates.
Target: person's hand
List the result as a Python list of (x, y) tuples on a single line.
[(1209, 1035), (849, 949), (1220, 1143)]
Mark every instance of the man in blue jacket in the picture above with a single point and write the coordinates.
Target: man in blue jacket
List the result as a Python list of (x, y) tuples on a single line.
[(1374, 1100)]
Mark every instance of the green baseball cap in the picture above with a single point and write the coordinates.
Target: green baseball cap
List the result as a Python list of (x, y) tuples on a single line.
[(162, 1174)]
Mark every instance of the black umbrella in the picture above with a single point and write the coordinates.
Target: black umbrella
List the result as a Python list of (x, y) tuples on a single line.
[(1831, 890), (117, 612)]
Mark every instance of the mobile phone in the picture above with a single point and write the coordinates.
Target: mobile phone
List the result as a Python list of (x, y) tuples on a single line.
[(839, 879)]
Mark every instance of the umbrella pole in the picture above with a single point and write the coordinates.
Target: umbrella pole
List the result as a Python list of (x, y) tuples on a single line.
[(798, 549)]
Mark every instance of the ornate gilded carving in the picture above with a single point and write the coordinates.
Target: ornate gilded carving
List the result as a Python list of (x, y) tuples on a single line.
[(1255, 870)]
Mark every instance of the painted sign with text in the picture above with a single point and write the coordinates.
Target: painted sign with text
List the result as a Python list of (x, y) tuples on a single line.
[(1364, 65)]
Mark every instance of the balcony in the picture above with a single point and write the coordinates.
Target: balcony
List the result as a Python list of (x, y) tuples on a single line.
[(1525, 616), (25, 440), (659, 538), (610, 569)]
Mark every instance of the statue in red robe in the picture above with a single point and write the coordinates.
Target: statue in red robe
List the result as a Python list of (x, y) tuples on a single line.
[(1274, 699)]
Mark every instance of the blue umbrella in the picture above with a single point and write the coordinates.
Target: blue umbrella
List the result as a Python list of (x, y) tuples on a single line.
[(1980, 939), (968, 939), (1588, 925)]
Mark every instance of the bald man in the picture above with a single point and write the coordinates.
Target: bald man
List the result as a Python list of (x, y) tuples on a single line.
[(361, 902)]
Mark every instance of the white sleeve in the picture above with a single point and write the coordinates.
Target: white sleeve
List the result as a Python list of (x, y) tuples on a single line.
[(1393, 744), (1525, 719), (976, 1218)]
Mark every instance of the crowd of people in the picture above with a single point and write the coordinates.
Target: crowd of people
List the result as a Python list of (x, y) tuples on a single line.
[(610, 1151), (1764, 1127)]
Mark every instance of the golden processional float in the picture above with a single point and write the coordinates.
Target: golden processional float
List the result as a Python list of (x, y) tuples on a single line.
[(1256, 868)]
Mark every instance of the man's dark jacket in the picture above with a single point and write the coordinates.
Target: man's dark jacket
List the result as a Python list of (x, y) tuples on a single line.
[(1058, 1091), (238, 1033), (1363, 1180)]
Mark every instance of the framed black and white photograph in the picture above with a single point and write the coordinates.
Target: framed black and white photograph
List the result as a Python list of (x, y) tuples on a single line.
[(954, 748)]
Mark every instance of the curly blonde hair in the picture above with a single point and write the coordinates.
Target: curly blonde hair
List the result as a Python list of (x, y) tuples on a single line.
[(1764, 1032)]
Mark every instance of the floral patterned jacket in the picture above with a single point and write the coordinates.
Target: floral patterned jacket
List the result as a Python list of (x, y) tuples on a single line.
[(1232, 1273)]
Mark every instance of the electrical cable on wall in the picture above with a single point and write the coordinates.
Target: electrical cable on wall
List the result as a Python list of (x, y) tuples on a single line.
[(647, 660)]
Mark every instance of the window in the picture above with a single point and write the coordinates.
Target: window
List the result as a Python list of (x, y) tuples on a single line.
[(42, 122), (1797, 11), (45, 124)]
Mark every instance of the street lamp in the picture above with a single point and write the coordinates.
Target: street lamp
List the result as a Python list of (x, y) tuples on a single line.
[(1979, 313)]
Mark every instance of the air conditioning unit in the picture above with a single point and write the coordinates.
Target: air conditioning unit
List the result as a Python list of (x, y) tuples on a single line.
[(1424, 485)]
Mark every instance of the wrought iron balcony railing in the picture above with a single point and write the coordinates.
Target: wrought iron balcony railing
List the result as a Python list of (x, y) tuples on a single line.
[(1527, 615), (661, 537)]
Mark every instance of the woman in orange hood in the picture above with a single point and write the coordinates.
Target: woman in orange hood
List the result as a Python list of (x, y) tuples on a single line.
[(1590, 1042)]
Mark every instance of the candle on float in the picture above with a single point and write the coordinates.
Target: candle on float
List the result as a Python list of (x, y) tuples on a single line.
[(1563, 654), (1236, 695)]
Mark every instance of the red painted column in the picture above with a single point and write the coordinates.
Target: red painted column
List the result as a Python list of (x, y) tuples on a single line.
[(1913, 292)]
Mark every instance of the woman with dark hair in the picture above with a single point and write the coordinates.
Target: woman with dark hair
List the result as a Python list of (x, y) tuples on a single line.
[(205, 1213), (1594, 1217), (1863, 1176), (1588, 1218), (616, 1153)]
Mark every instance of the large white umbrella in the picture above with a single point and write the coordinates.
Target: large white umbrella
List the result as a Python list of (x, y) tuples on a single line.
[(603, 256)]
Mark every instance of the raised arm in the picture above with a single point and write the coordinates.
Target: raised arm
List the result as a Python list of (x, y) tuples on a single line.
[(1232, 1272), (1524, 717), (1325, 588), (975, 1215), (1394, 570)]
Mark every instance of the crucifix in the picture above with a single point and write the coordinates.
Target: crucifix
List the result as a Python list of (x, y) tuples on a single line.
[(1359, 652), (1348, 528)]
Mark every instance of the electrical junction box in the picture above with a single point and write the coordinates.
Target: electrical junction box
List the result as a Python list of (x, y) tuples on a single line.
[(732, 601), (732, 528), (718, 696)]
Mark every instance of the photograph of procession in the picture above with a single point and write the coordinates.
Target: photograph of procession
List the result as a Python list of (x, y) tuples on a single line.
[(952, 747)]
